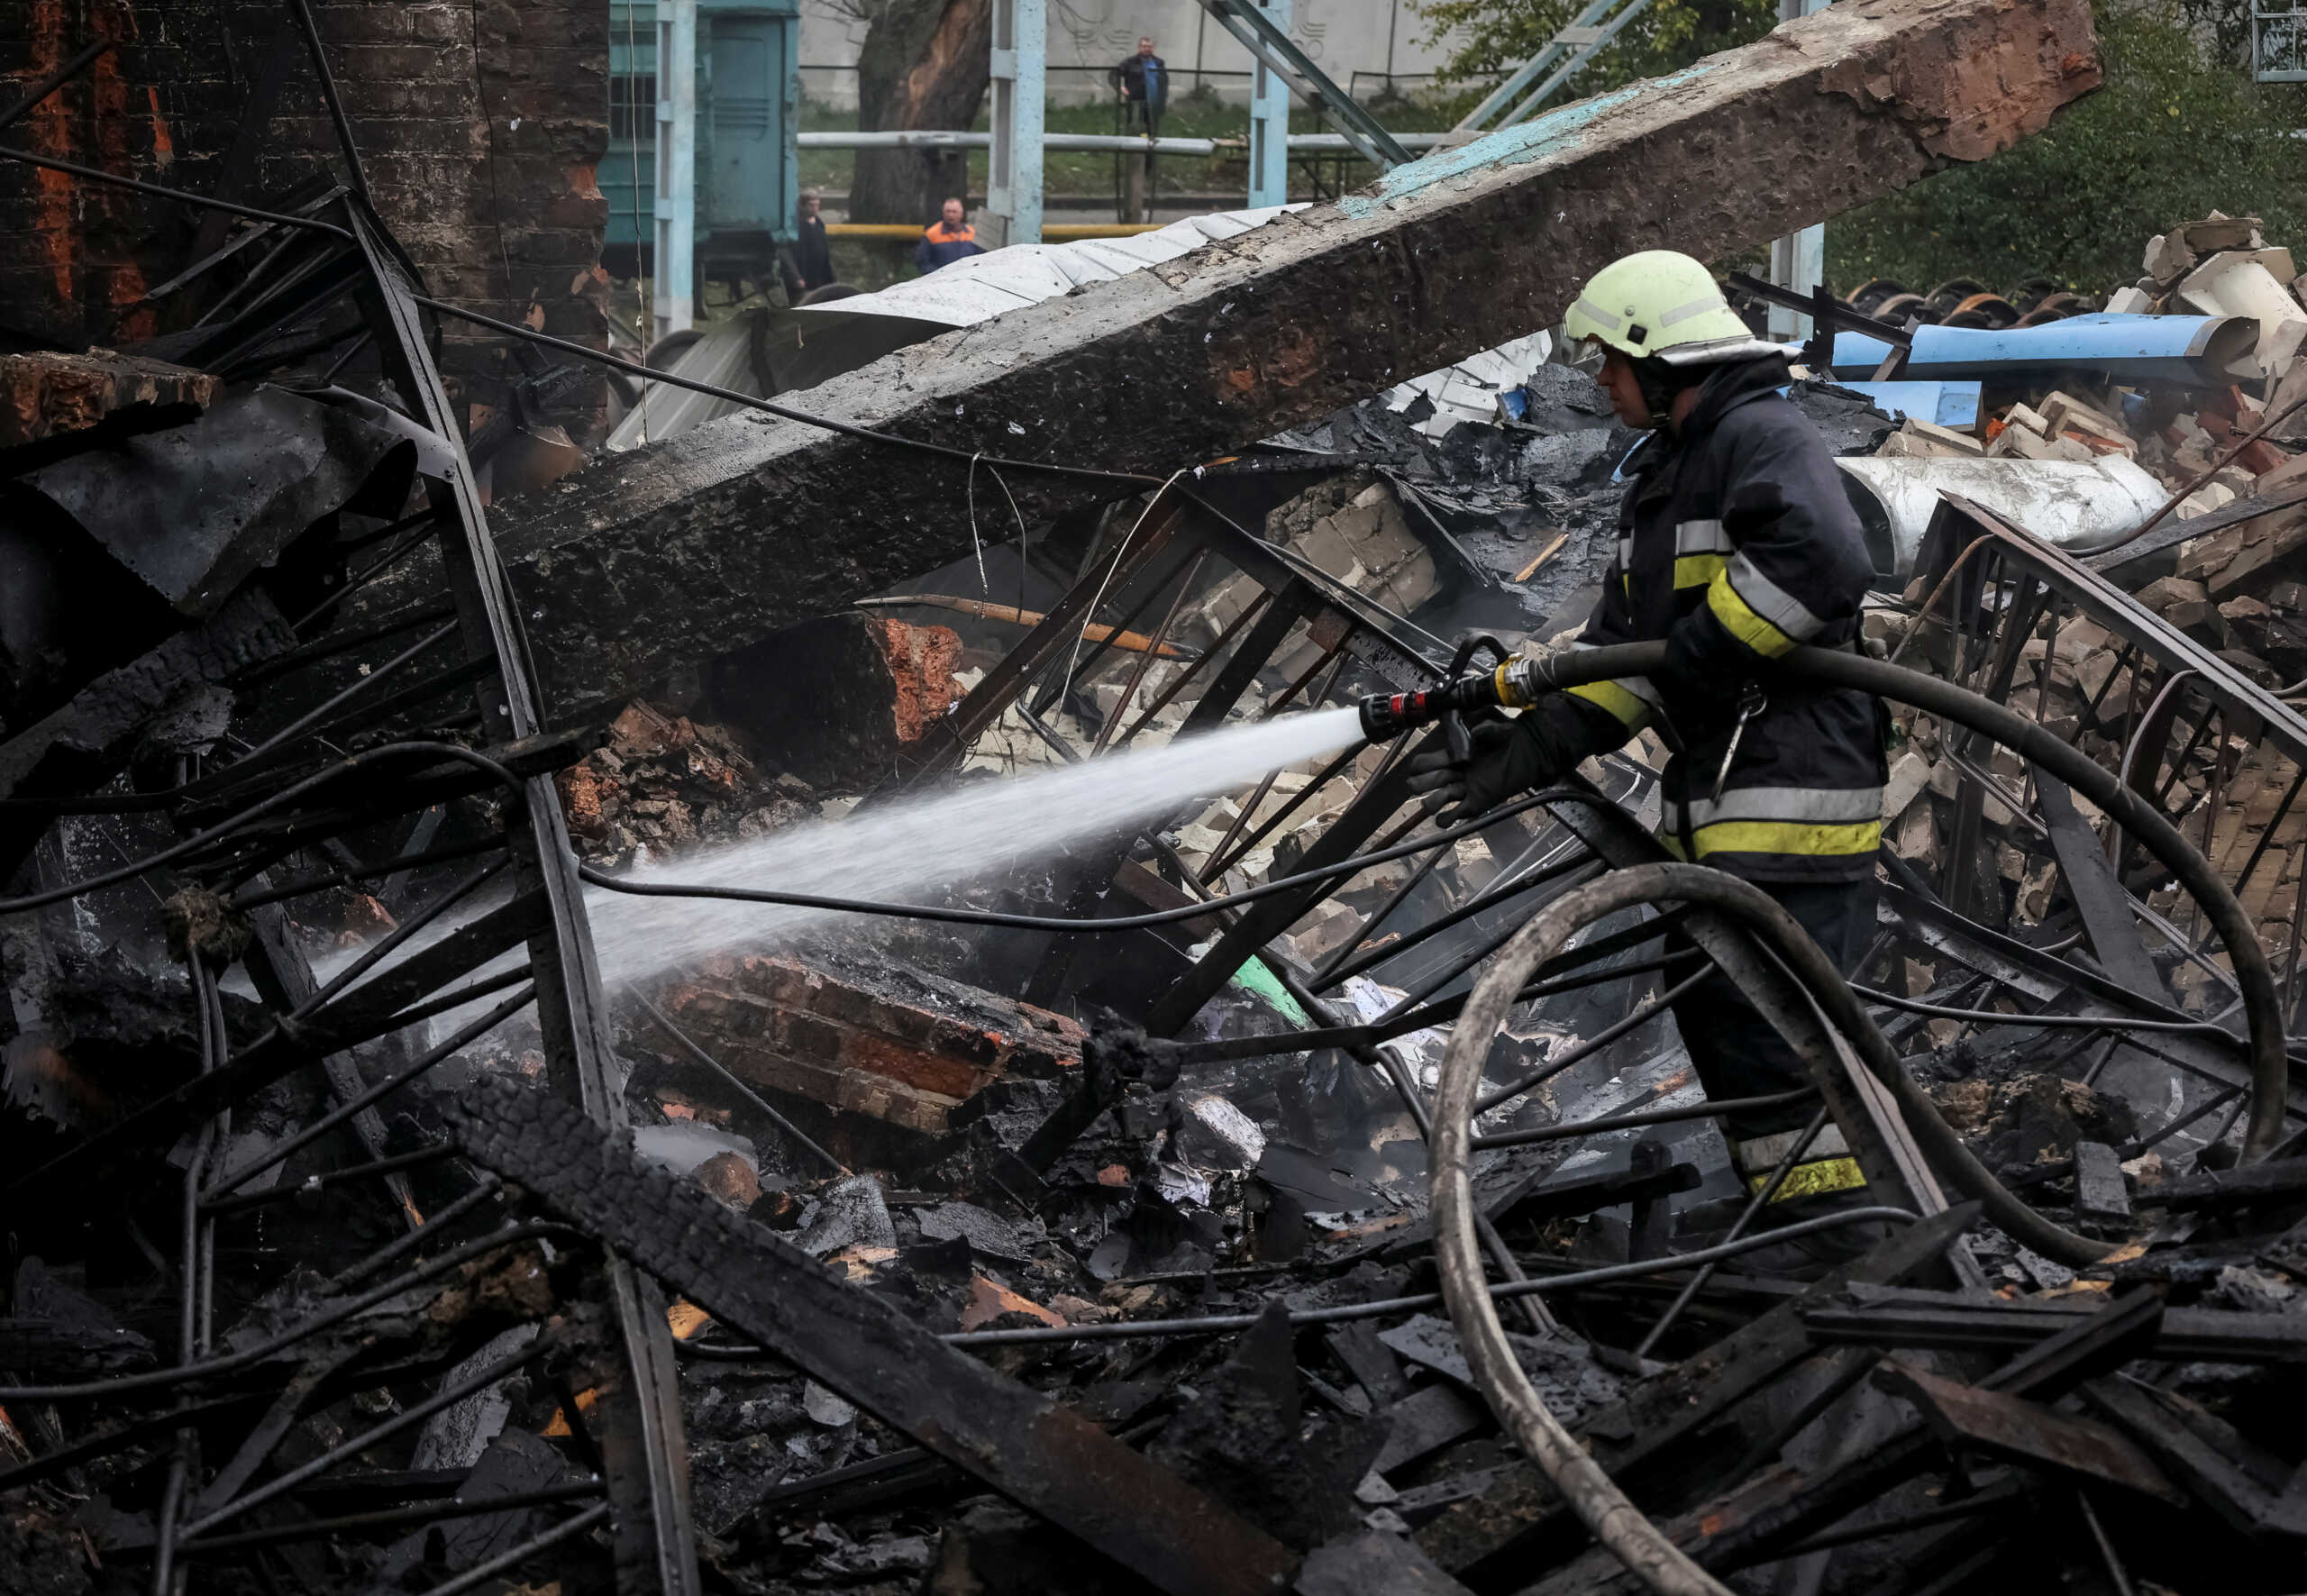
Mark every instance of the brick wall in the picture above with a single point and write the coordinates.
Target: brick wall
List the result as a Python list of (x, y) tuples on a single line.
[(480, 122), (905, 1048)]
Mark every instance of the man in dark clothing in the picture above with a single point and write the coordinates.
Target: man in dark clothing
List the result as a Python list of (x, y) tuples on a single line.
[(808, 264), (1736, 543), (1143, 81), (947, 239)]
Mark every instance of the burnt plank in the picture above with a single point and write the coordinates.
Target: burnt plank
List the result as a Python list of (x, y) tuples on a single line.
[(2098, 897), (2214, 1189), (1371, 1562), (1584, 1194), (1045, 1458), (1493, 1540), (2100, 1195), (1752, 1521), (1426, 1421), (2026, 1432), (1942, 1322), (2222, 1468), (39, 1350), (1369, 1361)]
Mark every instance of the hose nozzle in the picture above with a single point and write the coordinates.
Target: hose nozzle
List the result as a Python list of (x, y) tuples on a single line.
[(1511, 686)]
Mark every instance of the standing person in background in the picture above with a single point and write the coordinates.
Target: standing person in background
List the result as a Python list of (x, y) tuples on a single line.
[(808, 264), (1143, 81), (949, 239)]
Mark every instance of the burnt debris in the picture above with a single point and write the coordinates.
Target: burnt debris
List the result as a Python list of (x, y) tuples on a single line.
[(1093, 1222)]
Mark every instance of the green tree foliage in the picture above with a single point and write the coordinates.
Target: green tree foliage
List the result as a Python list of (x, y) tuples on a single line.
[(2179, 129), (1487, 39)]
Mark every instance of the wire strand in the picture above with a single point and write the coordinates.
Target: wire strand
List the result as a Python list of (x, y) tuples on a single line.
[(1345, 867), (134, 868), (785, 411)]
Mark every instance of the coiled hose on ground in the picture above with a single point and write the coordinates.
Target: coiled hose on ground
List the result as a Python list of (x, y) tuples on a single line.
[(1649, 1554)]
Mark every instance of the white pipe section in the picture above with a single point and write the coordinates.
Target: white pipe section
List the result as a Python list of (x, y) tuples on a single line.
[(2078, 506)]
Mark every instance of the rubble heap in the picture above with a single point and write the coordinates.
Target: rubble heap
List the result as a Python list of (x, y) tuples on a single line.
[(663, 783), (1068, 1229), (2209, 560)]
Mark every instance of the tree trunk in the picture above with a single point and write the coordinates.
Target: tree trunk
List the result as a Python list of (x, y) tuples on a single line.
[(924, 64)]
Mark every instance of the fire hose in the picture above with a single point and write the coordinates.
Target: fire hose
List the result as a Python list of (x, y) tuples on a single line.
[(1614, 1520), (1516, 683), (1519, 680)]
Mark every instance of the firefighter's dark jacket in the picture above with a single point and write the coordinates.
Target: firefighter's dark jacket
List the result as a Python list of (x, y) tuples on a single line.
[(1736, 543)]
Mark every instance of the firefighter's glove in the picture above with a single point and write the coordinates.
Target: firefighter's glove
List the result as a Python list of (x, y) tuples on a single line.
[(1534, 750)]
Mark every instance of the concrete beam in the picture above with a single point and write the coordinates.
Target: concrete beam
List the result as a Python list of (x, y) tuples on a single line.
[(673, 552)]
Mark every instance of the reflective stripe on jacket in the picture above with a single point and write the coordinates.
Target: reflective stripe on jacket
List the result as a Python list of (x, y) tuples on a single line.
[(1736, 537)]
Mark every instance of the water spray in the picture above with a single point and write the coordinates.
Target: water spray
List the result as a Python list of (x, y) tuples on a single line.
[(975, 832)]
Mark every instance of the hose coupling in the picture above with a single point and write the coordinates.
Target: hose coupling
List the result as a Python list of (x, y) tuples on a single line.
[(1515, 684)]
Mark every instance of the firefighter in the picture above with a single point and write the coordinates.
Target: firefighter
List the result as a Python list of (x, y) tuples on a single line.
[(1734, 543)]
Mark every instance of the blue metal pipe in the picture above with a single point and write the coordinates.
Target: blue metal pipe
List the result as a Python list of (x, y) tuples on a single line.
[(2197, 352), (1947, 403)]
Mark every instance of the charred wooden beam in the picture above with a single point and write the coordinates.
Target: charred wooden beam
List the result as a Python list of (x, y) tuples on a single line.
[(2238, 1479), (1934, 1321), (2283, 1182), (2004, 1426), (75, 398), (686, 549), (1519, 1520), (1759, 1519), (1020, 1442)]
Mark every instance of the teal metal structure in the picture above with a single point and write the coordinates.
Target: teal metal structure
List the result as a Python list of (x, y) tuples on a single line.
[(1269, 117), (748, 114), (1021, 55)]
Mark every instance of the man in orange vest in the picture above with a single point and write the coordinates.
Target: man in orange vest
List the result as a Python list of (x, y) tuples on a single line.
[(945, 241)]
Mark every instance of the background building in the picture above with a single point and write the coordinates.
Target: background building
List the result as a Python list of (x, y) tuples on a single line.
[(1361, 44)]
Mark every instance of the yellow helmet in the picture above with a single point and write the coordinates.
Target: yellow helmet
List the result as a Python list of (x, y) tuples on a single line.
[(1664, 305)]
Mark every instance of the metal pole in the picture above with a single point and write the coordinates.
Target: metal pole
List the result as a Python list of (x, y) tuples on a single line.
[(1269, 122), (1798, 261), (676, 165), (1020, 56)]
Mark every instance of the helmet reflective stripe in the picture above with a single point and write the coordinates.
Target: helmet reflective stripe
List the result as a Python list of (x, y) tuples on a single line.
[(1587, 307), (1684, 313), (1715, 351)]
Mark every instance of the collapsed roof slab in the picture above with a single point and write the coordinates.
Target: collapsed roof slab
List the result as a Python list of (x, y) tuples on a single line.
[(675, 552)]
